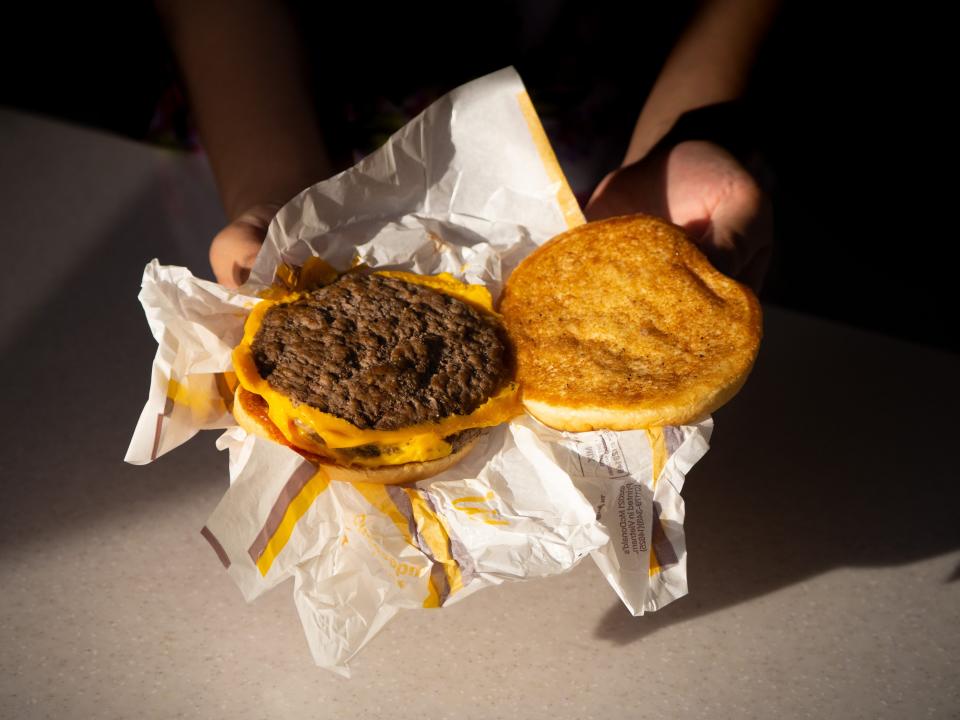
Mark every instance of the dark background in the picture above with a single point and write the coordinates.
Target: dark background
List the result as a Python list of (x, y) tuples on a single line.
[(852, 122)]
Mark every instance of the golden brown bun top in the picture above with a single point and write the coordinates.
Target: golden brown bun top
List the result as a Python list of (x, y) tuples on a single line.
[(623, 323)]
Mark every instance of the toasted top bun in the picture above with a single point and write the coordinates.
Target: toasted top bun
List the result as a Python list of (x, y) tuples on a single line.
[(250, 412), (624, 324)]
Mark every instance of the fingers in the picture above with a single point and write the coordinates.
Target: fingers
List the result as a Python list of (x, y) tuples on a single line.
[(235, 248), (637, 188), (233, 252), (740, 237), (596, 205), (704, 189), (755, 271)]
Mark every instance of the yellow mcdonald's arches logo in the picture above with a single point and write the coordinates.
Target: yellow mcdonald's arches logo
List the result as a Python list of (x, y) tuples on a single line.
[(489, 515)]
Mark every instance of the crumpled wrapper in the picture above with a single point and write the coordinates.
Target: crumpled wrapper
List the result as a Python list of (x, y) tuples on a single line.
[(469, 187)]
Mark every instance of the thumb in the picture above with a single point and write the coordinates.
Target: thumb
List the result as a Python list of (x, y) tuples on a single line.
[(738, 238), (235, 248)]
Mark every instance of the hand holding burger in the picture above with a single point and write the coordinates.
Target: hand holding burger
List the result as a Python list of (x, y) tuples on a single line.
[(703, 188)]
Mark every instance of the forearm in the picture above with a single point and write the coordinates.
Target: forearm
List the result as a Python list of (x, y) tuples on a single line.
[(710, 63), (250, 95)]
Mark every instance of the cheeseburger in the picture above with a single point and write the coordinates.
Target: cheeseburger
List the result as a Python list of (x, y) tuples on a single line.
[(382, 377), (392, 377)]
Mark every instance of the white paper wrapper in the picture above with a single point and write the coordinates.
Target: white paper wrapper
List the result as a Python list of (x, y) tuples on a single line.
[(469, 187)]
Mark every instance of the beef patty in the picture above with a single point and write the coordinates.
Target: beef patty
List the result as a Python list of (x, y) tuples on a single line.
[(381, 353)]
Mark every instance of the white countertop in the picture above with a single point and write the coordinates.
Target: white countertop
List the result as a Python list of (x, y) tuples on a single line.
[(823, 528)]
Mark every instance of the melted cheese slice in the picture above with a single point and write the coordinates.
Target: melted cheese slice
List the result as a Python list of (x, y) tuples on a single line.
[(476, 295), (325, 434)]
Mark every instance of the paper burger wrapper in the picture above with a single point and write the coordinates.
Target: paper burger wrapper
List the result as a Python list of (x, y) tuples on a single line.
[(469, 187)]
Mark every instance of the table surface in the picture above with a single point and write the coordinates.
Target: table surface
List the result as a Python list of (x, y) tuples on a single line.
[(823, 528)]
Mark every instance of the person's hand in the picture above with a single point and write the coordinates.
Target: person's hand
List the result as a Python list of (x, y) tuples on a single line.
[(701, 187), (234, 248)]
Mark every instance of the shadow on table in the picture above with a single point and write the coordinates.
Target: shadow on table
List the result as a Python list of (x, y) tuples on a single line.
[(838, 452), (76, 373)]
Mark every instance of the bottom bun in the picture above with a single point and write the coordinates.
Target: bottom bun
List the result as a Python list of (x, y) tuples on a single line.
[(250, 412)]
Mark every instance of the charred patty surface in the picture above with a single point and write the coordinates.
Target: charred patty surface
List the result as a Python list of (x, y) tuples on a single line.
[(381, 353)]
